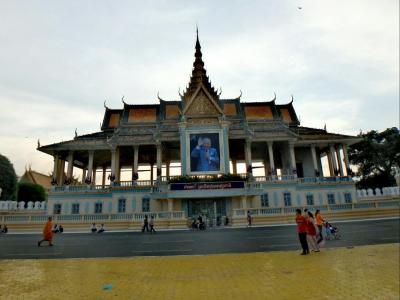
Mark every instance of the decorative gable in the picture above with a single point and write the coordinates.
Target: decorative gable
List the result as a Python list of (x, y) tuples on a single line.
[(202, 104)]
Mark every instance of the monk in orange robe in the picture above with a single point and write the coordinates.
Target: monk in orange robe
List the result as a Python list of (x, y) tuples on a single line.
[(47, 233)]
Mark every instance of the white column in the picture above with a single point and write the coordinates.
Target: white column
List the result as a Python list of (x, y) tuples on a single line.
[(55, 168), (103, 180), (247, 155), (83, 175), (271, 158), (113, 154), (135, 174), (61, 172), (70, 165), (314, 158), (117, 165), (90, 166), (244, 202), (292, 159), (167, 166), (339, 160), (234, 166), (170, 205), (94, 173), (333, 159), (159, 155), (346, 159)]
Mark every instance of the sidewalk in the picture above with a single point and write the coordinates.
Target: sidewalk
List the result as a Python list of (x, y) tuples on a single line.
[(367, 272)]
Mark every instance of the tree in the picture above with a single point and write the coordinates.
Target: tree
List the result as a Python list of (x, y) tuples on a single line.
[(8, 179), (377, 157), (30, 192)]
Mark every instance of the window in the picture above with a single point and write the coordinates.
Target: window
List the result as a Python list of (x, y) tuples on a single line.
[(75, 208), (98, 208), (57, 209), (121, 205), (287, 199), (310, 199), (331, 198), (264, 200), (146, 204), (347, 198)]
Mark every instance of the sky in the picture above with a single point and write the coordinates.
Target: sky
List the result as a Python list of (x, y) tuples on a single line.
[(60, 60)]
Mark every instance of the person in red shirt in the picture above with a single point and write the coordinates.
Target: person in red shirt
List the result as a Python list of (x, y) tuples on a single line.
[(302, 231), (312, 232)]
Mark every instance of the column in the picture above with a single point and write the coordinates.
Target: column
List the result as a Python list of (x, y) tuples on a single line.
[(151, 173), (244, 202), (339, 160), (159, 155), (234, 166), (117, 165), (333, 159), (170, 205), (271, 158), (94, 172), (113, 162), (247, 155), (167, 166), (346, 160), (61, 172), (70, 167), (89, 179), (55, 170), (135, 174), (103, 180), (83, 175), (314, 159), (331, 171), (292, 159)]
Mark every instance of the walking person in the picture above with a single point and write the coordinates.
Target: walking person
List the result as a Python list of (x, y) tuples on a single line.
[(47, 232), (151, 223), (312, 233), (319, 221), (248, 218), (145, 224), (302, 231)]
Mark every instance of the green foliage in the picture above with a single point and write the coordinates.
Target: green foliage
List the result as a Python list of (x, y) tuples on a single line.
[(377, 156), (207, 178), (30, 192), (8, 179)]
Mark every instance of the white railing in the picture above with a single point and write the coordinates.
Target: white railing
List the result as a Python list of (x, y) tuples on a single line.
[(90, 218), (254, 182), (271, 211), (9, 206), (384, 193)]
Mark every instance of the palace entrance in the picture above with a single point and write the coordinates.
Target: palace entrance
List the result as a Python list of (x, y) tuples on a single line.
[(209, 208)]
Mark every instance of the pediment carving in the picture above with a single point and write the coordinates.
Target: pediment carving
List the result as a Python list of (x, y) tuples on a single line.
[(202, 105)]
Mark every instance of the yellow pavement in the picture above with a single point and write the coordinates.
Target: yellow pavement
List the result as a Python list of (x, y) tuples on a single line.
[(365, 272)]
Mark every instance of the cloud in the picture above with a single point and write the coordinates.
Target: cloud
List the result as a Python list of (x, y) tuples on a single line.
[(60, 60)]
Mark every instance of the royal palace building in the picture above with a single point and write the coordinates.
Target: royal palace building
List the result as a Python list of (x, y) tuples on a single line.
[(191, 149)]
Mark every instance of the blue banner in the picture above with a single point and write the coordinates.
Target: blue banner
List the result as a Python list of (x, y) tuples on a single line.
[(206, 186)]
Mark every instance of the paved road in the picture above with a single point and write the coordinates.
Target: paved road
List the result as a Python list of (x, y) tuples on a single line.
[(233, 240)]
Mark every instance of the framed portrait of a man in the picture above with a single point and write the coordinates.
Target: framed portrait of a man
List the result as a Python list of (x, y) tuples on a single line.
[(204, 153)]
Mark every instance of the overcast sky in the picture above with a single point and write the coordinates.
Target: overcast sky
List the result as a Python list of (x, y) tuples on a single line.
[(59, 61)]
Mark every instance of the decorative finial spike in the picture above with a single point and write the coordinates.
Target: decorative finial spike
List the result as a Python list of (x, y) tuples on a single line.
[(76, 132), (38, 143), (105, 106), (123, 97)]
